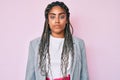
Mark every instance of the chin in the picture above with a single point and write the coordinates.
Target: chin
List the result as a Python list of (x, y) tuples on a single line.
[(58, 32)]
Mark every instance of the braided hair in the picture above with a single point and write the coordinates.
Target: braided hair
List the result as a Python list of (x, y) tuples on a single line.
[(44, 43)]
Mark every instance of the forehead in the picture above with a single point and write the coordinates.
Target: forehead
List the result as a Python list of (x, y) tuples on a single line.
[(57, 10)]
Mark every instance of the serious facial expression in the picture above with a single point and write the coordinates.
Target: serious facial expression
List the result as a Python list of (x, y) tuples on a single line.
[(57, 21)]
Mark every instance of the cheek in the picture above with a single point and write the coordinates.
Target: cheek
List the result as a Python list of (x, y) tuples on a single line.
[(50, 23), (64, 23)]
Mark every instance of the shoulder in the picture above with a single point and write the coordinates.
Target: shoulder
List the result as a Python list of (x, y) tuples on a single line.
[(35, 42), (77, 40)]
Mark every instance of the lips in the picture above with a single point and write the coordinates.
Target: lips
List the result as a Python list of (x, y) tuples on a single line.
[(57, 26)]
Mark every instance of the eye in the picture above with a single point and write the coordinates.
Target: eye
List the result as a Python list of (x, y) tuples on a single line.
[(62, 16), (52, 17)]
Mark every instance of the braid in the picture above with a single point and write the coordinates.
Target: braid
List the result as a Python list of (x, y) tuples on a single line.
[(44, 43)]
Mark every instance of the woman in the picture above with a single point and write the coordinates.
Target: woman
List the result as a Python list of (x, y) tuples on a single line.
[(57, 55)]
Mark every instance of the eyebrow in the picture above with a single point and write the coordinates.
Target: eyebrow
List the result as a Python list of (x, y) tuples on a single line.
[(59, 13)]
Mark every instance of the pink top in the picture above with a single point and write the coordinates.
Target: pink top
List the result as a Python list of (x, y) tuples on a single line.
[(66, 78)]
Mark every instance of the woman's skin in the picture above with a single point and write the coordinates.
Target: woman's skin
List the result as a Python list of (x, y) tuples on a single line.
[(57, 21)]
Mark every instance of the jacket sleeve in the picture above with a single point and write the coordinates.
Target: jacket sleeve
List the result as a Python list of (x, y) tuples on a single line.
[(30, 70), (84, 69)]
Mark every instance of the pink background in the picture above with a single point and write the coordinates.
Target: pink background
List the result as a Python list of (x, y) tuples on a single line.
[(97, 22)]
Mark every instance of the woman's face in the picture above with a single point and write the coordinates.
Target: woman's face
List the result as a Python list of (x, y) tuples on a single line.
[(57, 21)]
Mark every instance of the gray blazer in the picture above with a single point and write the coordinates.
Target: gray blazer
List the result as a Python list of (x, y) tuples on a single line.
[(79, 70)]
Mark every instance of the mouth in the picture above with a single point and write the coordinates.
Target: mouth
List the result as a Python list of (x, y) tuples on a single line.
[(57, 26)]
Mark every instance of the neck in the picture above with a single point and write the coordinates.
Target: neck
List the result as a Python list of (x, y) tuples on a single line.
[(58, 35)]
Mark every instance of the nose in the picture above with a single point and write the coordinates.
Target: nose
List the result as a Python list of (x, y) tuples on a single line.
[(57, 20)]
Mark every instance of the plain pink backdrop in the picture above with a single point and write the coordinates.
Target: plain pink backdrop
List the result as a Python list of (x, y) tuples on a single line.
[(97, 22)]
